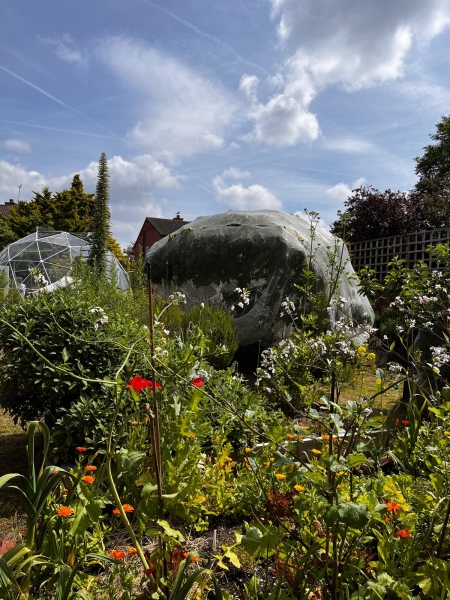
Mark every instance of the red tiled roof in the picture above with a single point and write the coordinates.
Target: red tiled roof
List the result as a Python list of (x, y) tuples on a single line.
[(5, 208)]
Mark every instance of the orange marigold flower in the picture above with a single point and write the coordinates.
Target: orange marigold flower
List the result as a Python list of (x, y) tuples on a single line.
[(191, 436), (326, 438), (387, 519), (280, 476), (117, 554), (116, 511), (299, 488), (403, 533), (88, 479), (132, 551), (315, 451), (266, 464), (81, 449), (128, 508), (193, 558), (65, 511), (393, 507), (217, 438), (290, 436), (91, 468)]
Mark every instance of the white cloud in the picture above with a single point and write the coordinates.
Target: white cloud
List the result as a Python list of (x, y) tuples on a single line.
[(235, 173), (16, 145), (132, 183), (248, 85), (240, 197), (283, 122), (66, 49), (178, 109), (349, 145), (341, 191), (350, 43), (355, 43)]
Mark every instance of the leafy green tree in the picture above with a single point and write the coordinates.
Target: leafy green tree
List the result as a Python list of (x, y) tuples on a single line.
[(433, 171), (101, 226)]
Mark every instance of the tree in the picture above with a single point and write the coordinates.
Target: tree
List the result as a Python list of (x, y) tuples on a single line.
[(433, 171), (372, 214), (101, 227)]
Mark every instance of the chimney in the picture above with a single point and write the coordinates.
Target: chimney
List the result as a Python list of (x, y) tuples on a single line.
[(10, 201), (177, 218)]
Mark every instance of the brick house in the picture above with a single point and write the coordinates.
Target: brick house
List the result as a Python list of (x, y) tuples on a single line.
[(154, 230), (6, 208)]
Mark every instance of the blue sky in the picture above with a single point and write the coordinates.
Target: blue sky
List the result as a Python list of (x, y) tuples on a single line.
[(204, 106)]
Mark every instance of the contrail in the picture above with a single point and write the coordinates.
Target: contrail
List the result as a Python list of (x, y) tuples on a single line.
[(265, 162), (208, 36), (57, 100), (106, 137)]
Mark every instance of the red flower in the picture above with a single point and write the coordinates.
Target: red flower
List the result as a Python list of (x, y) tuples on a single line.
[(198, 382), (397, 421), (139, 383), (405, 422), (393, 507), (81, 449), (403, 533), (117, 554)]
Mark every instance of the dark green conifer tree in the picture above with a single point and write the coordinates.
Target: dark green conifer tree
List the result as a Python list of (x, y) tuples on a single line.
[(101, 226)]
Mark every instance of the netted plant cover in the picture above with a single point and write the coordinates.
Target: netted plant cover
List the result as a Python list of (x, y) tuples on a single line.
[(263, 251), (46, 257)]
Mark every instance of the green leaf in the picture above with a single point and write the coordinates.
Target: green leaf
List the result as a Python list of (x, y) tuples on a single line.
[(173, 533), (354, 460), (65, 355), (349, 513), (252, 541)]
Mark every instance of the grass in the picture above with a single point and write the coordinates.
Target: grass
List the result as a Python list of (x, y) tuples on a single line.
[(364, 385)]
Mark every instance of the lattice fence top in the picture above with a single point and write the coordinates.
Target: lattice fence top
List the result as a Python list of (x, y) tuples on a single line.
[(412, 247)]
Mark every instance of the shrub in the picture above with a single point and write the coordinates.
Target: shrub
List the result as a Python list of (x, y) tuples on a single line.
[(216, 325), (68, 336)]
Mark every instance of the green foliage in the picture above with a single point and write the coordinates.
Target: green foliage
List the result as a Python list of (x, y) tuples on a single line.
[(215, 324), (101, 216), (51, 342), (432, 169)]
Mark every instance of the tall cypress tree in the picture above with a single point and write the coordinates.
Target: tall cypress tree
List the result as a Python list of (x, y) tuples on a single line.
[(101, 227)]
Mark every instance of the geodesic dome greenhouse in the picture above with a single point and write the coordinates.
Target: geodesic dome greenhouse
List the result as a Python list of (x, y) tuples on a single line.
[(50, 254)]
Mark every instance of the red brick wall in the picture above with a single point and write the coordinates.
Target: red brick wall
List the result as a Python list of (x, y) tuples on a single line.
[(147, 237)]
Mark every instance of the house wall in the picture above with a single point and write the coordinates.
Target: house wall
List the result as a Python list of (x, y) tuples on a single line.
[(147, 237)]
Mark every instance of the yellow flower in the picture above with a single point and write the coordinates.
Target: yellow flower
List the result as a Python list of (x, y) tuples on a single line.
[(191, 436), (371, 356), (378, 381), (362, 350), (447, 433), (315, 451), (247, 450), (299, 488), (280, 476), (340, 473), (217, 438), (326, 438), (228, 459), (292, 467), (272, 459), (135, 423)]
